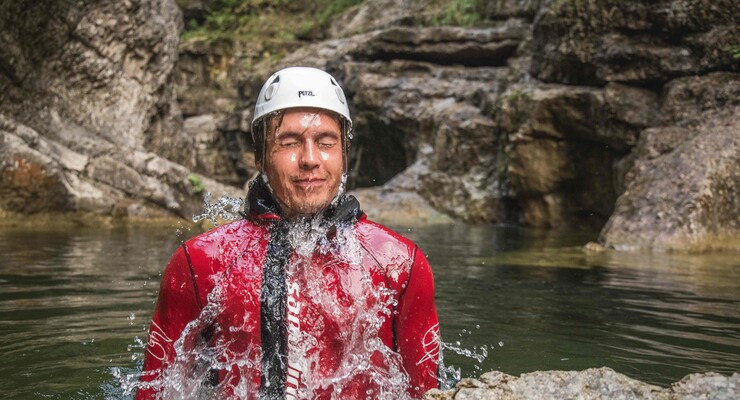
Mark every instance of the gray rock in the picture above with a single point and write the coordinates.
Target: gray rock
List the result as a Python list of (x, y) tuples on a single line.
[(545, 113), (87, 195), (398, 208), (710, 385), (594, 41), (30, 181), (88, 112), (211, 157), (679, 191), (374, 15), (100, 65), (561, 144), (492, 144), (446, 45), (591, 384)]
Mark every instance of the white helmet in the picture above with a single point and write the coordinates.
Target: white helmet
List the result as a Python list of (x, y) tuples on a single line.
[(301, 87)]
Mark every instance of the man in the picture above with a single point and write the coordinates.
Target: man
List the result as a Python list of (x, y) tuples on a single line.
[(304, 297)]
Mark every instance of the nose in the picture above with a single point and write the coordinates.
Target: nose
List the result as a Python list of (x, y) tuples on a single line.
[(309, 158)]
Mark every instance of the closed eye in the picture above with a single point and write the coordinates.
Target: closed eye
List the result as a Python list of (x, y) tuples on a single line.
[(327, 143), (327, 140), (289, 143), (289, 139)]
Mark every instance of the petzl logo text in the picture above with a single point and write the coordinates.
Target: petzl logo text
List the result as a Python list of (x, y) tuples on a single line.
[(302, 93)]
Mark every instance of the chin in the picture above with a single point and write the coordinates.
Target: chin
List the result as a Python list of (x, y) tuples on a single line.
[(308, 208)]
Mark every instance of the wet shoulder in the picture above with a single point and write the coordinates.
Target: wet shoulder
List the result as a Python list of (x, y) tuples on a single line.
[(380, 233), (391, 251), (223, 243)]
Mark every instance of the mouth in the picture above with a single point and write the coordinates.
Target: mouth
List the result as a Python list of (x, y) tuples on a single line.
[(308, 182)]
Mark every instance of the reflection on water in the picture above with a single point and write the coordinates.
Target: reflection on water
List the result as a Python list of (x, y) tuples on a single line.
[(534, 299)]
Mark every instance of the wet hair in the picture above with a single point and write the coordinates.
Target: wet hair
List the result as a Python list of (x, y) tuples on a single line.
[(270, 123)]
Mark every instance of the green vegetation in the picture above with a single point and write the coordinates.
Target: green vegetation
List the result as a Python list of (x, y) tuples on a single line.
[(734, 51), (460, 13), (263, 20), (196, 183)]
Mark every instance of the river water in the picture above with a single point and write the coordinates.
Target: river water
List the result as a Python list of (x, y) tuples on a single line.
[(74, 302)]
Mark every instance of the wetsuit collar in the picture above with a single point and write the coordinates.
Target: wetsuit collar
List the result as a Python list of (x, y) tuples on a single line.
[(263, 207)]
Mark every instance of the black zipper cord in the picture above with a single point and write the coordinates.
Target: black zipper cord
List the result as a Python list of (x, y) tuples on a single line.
[(273, 318)]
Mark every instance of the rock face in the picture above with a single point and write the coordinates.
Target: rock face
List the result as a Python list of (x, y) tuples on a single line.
[(610, 114), (88, 120), (639, 42), (681, 192), (590, 384), (548, 114)]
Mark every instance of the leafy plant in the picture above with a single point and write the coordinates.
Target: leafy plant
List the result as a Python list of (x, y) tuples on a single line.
[(734, 51), (196, 183)]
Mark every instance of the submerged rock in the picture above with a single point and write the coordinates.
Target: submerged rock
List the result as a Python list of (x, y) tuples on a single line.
[(591, 384)]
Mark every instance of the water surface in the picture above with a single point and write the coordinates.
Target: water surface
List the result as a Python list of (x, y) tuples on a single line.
[(73, 302)]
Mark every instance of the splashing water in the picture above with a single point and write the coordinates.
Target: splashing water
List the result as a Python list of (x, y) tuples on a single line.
[(225, 207), (350, 295), (450, 375), (128, 380), (339, 353)]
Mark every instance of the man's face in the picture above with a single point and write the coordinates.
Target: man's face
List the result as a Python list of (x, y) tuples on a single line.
[(303, 161)]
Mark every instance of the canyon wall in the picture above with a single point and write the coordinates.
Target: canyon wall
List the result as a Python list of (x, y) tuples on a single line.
[(545, 113)]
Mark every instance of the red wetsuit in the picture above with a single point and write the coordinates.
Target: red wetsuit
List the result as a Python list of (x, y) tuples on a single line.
[(209, 298)]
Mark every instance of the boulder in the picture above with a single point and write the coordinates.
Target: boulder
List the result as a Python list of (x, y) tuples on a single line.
[(85, 89), (446, 45), (104, 66), (215, 156), (681, 190), (398, 208), (590, 384), (41, 175), (561, 143), (30, 181)]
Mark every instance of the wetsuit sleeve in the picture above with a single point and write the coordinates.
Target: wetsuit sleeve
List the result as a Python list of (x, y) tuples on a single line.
[(176, 306), (417, 328)]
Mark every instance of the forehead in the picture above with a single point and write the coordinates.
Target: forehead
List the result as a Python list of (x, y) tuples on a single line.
[(302, 118)]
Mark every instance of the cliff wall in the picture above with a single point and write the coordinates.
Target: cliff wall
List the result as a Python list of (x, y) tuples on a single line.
[(549, 113), (88, 117)]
